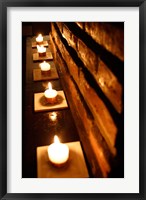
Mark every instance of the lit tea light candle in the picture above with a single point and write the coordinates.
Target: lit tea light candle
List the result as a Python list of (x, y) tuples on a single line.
[(50, 94), (39, 39), (58, 152), (45, 68), (41, 50)]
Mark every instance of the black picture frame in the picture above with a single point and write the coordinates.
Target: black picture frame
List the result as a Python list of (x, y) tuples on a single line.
[(3, 95)]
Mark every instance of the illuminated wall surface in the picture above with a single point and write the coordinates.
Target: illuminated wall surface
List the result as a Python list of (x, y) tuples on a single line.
[(90, 58)]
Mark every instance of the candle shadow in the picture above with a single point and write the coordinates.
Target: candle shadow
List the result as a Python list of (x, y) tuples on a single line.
[(44, 102)]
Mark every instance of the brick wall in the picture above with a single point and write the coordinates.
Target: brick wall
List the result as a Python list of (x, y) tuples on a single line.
[(90, 60)]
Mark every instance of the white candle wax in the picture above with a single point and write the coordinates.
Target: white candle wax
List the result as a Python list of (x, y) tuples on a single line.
[(41, 49), (45, 66), (50, 93), (58, 153), (39, 39)]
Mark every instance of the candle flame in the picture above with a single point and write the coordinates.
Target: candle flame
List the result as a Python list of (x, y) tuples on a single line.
[(56, 139), (50, 86), (40, 35)]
